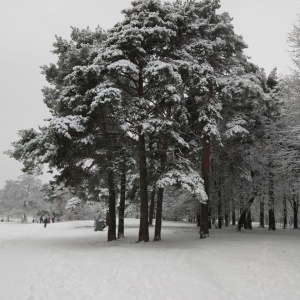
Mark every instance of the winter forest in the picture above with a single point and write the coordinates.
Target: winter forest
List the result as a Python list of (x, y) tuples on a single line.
[(163, 117)]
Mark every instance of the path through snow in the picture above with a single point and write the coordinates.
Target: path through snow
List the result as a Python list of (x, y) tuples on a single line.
[(71, 261)]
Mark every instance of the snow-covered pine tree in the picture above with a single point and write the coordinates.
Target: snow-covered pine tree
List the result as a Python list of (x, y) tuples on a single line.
[(217, 69), (286, 133), (248, 128), (130, 52), (141, 62), (83, 134), (171, 80)]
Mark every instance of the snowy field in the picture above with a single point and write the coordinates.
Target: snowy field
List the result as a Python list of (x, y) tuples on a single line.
[(71, 261)]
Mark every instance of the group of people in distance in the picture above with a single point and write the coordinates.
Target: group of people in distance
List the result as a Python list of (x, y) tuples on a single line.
[(46, 220)]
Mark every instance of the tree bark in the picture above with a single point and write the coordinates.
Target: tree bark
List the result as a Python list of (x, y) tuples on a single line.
[(226, 219), (152, 203), (204, 220), (284, 212), (226, 213), (272, 223), (242, 219), (245, 217), (122, 203), (111, 234), (144, 229), (157, 232), (160, 194), (295, 211), (262, 213), (249, 220), (142, 158), (233, 213), (246, 220), (220, 217), (209, 216), (242, 206)]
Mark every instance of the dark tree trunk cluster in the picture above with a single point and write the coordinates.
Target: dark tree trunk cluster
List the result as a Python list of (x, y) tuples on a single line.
[(204, 220), (272, 222)]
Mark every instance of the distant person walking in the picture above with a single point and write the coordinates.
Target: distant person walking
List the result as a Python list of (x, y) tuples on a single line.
[(49, 219), (41, 219), (45, 222)]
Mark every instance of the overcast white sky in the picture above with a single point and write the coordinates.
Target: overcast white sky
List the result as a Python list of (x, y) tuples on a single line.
[(28, 28)]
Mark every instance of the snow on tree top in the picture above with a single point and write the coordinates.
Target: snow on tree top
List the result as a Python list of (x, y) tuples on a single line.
[(63, 124)]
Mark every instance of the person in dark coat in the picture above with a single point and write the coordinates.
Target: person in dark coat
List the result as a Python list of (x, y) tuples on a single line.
[(45, 222), (41, 219)]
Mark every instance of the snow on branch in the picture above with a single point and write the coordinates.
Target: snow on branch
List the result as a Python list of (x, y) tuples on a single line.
[(124, 66), (105, 94), (235, 128), (161, 69), (63, 124), (185, 177)]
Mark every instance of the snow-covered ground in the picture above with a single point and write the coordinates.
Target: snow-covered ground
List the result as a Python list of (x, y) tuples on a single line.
[(71, 261)]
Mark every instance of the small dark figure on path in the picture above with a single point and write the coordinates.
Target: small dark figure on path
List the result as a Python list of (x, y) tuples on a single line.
[(52, 219), (41, 219), (49, 219), (45, 222)]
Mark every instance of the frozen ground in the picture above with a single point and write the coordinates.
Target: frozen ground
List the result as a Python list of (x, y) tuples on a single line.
[(71, 261)]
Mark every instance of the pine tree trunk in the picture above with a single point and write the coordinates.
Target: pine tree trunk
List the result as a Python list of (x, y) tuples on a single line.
[(272, 223), (122, 203), (249, 220), (262, 213), (111, 215), (226, 214), (242, 206), (204, 220), (296, 218), (157, 232), (151, 210), (209, 216), (233, 221), (220, 217), (284, 212), (144, 229), (242, 220), (246, 220), (111, 234), (233, 213), (226, 219), (160, 194), (295, 212), (142, 158)]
